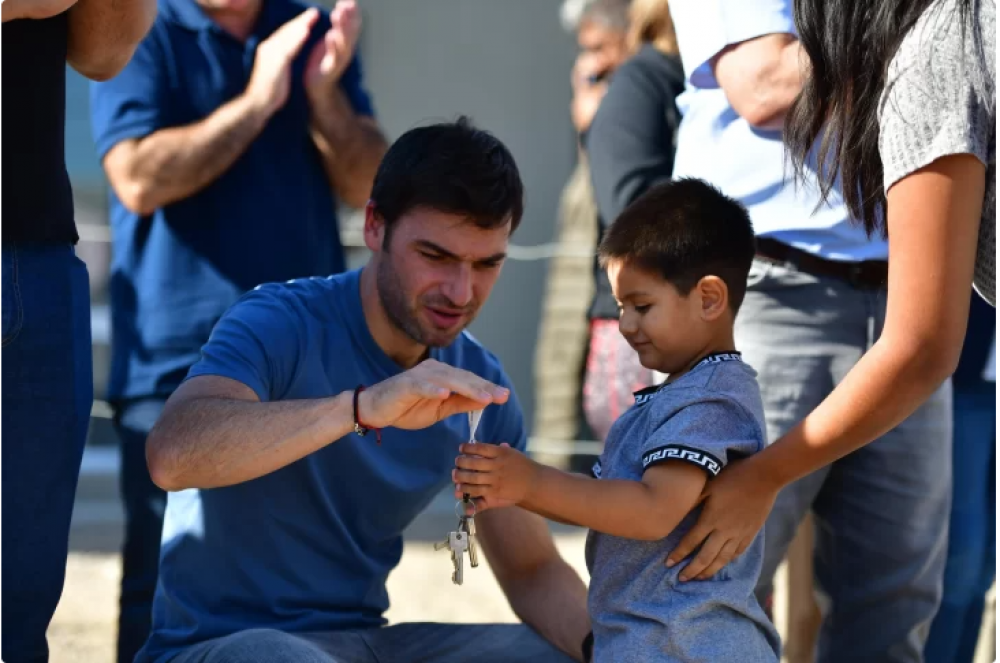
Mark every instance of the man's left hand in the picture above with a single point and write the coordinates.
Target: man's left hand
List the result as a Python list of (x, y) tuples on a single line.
[(330, 57)]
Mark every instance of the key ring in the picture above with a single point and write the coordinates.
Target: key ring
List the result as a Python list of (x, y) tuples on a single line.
[(461, 504)]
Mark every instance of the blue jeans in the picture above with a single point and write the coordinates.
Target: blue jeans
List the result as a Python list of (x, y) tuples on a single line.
[(409, 643), (881, 512), (144, 506), (972, 539), (47, 396)]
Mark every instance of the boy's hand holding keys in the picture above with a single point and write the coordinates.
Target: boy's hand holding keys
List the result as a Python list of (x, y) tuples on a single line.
[(495, 475)]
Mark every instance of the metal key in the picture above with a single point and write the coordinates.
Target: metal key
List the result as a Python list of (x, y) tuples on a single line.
[(467, 523), (474, 418), (458, 544)]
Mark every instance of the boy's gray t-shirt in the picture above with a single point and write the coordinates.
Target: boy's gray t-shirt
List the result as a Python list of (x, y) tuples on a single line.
[(640, 611)]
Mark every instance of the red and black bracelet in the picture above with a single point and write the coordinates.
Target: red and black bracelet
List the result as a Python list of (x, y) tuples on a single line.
[(359, 427)]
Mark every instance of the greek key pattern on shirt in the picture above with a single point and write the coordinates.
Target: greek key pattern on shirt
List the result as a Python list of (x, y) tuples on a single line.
[(643, 396), (703, 459), (719, 357)]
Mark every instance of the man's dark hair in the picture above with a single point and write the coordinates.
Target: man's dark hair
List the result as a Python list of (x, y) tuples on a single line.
[(451, 167), (685, 230)]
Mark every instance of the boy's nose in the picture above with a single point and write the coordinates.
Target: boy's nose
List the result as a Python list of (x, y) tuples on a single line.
[(627, 325)]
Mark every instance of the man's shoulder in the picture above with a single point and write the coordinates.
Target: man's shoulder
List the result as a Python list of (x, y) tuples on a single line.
[(304, 297), (655, 66), (172, 16)]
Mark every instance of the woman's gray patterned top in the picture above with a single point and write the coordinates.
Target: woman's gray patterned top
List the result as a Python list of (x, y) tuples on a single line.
[(941, 99)]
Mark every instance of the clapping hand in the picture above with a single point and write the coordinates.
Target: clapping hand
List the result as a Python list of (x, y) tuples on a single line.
[(331, 55)]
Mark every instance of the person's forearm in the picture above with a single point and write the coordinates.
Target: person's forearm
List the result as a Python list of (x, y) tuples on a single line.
[(556, 518), (762, 78), (553, 601), (548, 515), (784, 84), (16, 9), (174, 164), (885, 387), (628, 509), (103, 34), (351, 147), (213, 442)]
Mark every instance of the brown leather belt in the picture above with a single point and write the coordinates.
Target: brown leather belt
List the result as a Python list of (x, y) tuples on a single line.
[(865, 274)]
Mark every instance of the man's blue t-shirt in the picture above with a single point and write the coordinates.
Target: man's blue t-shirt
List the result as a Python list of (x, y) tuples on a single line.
[(310, 546), (270, 217)]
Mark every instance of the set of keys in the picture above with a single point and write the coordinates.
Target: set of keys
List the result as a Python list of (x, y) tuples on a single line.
[(463, 539)]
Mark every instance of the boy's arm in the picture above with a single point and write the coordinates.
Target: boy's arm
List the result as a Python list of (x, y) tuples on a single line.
[(647, 510), (549, 515)]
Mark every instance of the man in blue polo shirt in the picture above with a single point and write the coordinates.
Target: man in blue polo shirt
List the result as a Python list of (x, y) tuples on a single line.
[(326, 414), (227, 141)]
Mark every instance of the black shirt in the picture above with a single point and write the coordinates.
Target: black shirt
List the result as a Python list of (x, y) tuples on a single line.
[(37, 199), (630, 145)]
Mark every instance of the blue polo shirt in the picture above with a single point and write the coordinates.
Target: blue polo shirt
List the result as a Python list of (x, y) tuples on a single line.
[(270, 217), (310, 546)]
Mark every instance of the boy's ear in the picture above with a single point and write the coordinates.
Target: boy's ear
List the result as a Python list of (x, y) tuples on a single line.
[(714, 297)]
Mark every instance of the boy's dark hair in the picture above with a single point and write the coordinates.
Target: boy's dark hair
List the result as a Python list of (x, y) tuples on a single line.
[(451, 167), (685, 230)]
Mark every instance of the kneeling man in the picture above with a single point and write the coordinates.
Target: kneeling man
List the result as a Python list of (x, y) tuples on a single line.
[(320, 422)]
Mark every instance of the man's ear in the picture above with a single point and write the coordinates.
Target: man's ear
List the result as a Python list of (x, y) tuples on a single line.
[(374, 227), (714, 297)]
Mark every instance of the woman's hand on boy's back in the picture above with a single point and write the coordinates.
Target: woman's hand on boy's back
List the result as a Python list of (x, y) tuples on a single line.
[(496, 475), (735, 505)]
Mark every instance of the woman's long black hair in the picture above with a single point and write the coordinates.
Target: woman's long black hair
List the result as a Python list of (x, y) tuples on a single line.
[(850, 44)]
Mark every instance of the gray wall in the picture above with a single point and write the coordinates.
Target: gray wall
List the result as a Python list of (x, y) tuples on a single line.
[(505, 64)]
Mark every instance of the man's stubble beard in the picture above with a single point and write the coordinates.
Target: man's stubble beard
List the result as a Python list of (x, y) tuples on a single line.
[(393, 298)]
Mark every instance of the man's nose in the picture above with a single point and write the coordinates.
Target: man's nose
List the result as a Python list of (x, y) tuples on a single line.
[(458, 288)]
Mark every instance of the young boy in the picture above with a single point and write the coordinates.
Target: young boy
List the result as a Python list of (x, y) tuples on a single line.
[(678, 260)]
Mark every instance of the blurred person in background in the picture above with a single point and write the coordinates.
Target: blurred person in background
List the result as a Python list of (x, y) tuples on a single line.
[(47, 373), (971, 564), (631, 146), (815, 304), (228, 141), (600, 29)]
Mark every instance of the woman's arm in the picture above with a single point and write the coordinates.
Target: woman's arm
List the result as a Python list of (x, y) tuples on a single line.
[(103, 35), (933, 221)]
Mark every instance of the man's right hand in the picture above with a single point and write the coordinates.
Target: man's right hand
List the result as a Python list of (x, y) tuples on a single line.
[(425, 394), (33, 9), (590, 83), (271, 80)]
